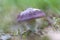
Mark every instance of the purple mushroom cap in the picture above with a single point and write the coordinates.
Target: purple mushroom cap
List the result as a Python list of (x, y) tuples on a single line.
[(30, 13)]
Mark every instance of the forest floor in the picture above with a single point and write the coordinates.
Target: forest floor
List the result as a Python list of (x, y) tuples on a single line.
[(53, 34)]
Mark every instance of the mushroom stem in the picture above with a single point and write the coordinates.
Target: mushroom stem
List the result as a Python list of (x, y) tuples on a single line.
[(30, 25)]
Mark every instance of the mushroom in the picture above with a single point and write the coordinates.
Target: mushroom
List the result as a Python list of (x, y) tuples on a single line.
[(27, 18)]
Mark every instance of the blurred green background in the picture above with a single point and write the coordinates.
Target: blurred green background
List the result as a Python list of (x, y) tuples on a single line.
[(10, 8)]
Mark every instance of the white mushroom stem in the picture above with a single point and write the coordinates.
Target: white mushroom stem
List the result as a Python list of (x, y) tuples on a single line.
[(30, 25), (27, 25)]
